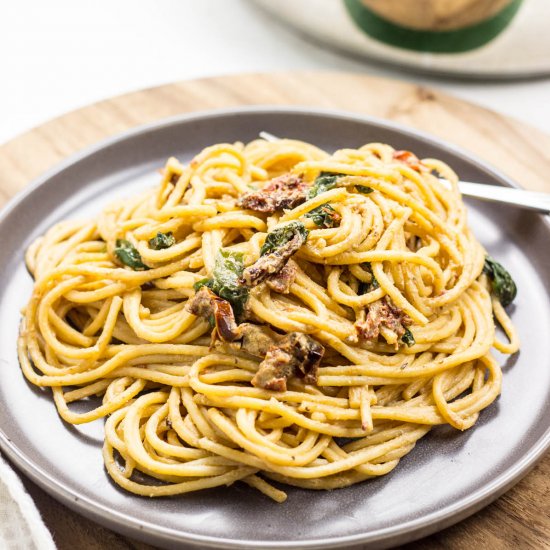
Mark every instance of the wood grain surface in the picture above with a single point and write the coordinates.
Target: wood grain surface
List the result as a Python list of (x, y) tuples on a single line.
[(519, 519)]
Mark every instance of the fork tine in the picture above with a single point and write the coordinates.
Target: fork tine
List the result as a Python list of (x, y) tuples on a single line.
[(268, 137)]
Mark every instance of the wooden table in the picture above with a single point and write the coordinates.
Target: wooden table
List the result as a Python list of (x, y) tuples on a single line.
[(519, 519)]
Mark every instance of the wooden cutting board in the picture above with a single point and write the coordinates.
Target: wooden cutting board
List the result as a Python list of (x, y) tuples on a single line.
[(520, 518)]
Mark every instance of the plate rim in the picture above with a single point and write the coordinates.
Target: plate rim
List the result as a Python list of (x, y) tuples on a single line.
[(121, 522)]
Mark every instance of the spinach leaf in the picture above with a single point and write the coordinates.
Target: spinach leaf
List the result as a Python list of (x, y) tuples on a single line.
[(364, 189), (282, 235), (127, 253), (502, 283), (203, 282), (162, 241), (325, 181), (228, 269), (364, 288), (324, 216), (408, 338)]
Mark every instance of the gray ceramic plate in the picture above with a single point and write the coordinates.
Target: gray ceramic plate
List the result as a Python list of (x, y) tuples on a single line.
[(448, 476)]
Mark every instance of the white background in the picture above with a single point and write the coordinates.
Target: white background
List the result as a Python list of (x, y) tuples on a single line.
[(58, 55)]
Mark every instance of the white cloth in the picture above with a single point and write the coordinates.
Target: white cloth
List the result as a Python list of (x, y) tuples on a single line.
[(21, 527)]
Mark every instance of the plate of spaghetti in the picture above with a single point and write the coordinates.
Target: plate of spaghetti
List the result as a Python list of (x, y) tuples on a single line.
[(219, 340)]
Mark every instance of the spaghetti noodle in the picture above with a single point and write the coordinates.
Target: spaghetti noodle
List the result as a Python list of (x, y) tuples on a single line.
[(268, 312)]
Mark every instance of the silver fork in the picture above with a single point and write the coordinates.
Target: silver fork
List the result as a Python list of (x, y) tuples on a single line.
[(530, 200)]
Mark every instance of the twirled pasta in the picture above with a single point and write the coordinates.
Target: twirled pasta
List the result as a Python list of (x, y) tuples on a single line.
[(182, 412)]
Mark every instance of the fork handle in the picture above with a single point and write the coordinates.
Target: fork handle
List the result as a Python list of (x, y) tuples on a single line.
[(531, 200)]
